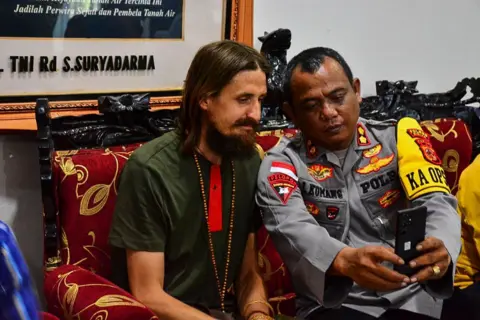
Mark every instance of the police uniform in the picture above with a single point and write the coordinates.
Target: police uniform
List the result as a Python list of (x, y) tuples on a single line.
[(313, 205)]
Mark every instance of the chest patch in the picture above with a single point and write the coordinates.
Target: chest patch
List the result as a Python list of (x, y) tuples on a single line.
[(389, 198), (312, 208), (320, 173), (375, 164), (332, 212)]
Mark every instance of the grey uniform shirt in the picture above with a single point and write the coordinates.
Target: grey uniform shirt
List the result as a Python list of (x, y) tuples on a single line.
[(313, 205)]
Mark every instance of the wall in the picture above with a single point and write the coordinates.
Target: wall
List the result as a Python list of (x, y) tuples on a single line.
[(432, 41), (20, 198)]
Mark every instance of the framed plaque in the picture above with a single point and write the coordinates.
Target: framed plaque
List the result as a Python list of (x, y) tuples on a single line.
[(73, 51)]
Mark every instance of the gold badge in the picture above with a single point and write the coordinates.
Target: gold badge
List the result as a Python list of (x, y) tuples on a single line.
[(320, 173), (375, 164), (372, 151)]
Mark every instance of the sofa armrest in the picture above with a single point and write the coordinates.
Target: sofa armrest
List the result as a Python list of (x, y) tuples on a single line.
[(72, 292)]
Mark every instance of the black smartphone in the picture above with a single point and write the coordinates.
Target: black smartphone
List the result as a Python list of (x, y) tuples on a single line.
[(411, 224)]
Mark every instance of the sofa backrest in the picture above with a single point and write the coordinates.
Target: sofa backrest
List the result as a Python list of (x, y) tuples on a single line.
[(86, 181)]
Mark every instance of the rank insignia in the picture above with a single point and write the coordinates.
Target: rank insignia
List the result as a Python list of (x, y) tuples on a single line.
[(362, 139), (332, 212), (312, 151), (320, 173), (375, 164), (312, 208), (389, 198), (372, 151)]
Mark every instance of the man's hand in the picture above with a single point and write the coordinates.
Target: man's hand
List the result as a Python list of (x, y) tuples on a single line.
[(363, 265), (433, 262)]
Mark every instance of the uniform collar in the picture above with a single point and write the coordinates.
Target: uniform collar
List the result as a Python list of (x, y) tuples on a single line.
[(363, 139)]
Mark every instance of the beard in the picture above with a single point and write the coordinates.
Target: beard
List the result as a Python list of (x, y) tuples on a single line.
[(233, 146)]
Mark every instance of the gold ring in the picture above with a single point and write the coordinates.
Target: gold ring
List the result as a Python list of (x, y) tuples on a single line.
[(436, 270)]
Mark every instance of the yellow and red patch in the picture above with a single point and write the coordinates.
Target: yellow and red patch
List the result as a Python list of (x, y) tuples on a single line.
[(389, 198), (423, 142), (320, 172), (375, 164), (312, 208), (372, 151)]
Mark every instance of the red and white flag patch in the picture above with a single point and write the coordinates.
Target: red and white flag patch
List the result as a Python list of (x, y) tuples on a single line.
[(283, 180), (286, 168)]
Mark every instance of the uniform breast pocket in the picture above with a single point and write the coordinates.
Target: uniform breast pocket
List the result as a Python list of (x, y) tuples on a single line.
[(330, 215), (380, 192), (383, 198)]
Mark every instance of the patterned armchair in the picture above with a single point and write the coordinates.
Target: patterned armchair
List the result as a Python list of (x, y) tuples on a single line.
[(79, 188)]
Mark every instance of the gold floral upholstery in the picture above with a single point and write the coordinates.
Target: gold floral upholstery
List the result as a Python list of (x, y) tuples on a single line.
[(79, 294), (86, 182), (86, 186)]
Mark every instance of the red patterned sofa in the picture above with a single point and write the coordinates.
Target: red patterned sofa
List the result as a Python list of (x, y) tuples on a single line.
[(79, 187)]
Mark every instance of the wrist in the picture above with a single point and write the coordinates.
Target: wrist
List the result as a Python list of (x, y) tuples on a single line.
[(340, 264)]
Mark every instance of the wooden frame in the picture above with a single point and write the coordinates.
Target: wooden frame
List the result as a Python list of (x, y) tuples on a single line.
[(21, 115)]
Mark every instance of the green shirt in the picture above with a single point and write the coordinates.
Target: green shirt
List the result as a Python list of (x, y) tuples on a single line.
[(159, 208)]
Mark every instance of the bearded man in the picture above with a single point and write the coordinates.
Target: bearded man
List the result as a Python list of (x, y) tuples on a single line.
[(183, 231)]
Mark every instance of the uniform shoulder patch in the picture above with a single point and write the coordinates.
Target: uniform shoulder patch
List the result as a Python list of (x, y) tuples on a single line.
[(362, 137), (283, 180), (418, 163)]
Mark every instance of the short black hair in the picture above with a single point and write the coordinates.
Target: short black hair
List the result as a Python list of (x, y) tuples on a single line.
[(310, 60)]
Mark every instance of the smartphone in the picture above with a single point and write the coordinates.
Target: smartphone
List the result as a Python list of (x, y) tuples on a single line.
[(411, 224)]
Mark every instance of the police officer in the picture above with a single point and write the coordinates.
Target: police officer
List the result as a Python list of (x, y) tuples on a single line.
[(330, 197)]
